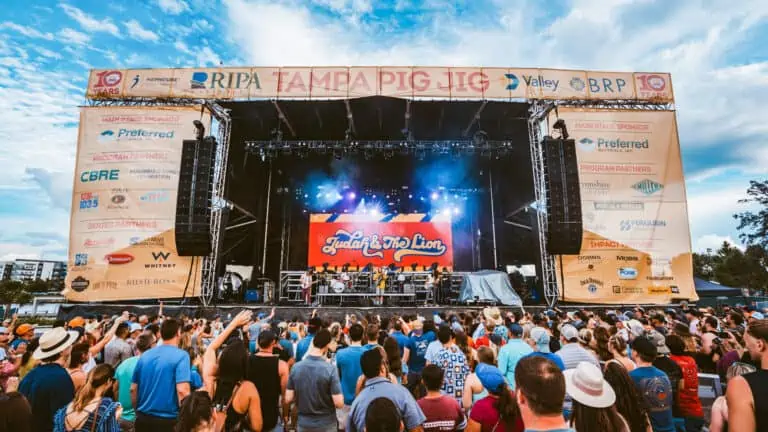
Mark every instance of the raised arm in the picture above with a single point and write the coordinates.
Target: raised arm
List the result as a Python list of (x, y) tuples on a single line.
[(96, 348), (209, 358)]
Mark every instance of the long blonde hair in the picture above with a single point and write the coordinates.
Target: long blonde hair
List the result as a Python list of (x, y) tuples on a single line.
[(99, 376)]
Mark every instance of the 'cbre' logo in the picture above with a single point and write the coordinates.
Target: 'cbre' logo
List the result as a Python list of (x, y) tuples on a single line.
[(160, 256), (98, 175)]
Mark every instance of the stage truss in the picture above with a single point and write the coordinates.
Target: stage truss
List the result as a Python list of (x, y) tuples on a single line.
[(537, 129)]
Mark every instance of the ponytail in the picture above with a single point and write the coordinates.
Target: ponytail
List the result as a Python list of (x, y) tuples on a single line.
[(507, 405), (99, 376)]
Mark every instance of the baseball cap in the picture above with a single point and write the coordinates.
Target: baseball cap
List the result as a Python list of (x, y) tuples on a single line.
[(569, 333), (516, 329), (757, 315), (24, 329), (77, 321), (490, 377), (645, 346), (659, 340), (541, 337), (135, 327)]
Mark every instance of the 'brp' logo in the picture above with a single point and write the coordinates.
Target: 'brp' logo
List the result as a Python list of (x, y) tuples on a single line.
[(587, 144), (513, 81)]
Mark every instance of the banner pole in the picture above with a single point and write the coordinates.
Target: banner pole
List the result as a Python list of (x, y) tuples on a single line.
[(493, 219), (266, 223)]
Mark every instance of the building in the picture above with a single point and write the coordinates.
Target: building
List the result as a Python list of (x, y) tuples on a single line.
[(5, 270), (32, 269)]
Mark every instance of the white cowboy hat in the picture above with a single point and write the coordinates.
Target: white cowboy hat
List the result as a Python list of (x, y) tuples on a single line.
[(54, 341), (586, 385), (493, 316)]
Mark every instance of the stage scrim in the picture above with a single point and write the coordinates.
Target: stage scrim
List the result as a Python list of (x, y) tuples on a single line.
[(121, 243), (637, 246), (357, 240)]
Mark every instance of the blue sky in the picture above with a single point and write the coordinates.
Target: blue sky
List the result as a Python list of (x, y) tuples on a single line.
[(716, 51)]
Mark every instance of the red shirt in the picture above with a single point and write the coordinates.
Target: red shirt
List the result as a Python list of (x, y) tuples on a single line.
[(688, 402), (486, 413), (484, 340), (443, 414)]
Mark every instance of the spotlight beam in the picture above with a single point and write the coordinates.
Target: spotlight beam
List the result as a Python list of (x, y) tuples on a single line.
[(282, 117)]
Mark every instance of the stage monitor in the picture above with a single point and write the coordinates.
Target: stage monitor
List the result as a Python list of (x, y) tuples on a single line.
[(411, 241)]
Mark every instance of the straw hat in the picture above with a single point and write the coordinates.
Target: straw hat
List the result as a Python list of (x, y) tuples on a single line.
[(493, 316), (586, 385), (54, 341)]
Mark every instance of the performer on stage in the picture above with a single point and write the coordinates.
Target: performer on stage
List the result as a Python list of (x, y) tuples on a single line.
[(380, 281), (306, 286), (431, 284)]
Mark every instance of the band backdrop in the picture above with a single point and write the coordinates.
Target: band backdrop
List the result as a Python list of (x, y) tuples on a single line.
[(636, 246), (124, 203), (402, 239)]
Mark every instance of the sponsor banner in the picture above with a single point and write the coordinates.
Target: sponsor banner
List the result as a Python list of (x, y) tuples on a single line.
[(404, 240), (124, 202), (243, 83), (636, 246)]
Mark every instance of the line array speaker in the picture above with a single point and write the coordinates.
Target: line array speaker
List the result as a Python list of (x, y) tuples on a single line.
[(194, 199), (561, 171)]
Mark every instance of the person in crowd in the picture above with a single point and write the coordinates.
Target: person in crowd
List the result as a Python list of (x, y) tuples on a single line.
[(377, 385), (15, 412), (314, 384), (600, 344), (77, 359), (393, 358), (383, 416), (27, 360), (196, 414), (23, 333), (400, 335), (305, 344), (48, 386), (719, 412), (124, 377), (270, 376), (462, 341), (453, 362), (442, 412), (653, 385), (415, 353), (237, 405), (160, 381), (618, 348), (91, 410), (665, 364), (687, 403), (473, 388), (255, 328), (540, 394), (593, 401), (586, 340), (629, 402), (747, 395), (118, 349), (348, 364), (512, 352), (693, 317), (571, 352), (498, 410), (659, 323)]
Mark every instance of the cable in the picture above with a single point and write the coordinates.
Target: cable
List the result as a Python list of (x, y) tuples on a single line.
[(189, 276)]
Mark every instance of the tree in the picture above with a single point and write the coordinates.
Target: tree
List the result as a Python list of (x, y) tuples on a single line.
[(731, 266), (754, 225), (11, 292)]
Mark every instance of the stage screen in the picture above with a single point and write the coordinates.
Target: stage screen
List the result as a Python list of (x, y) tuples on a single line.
[(381, 240), (121, 241), (636, 245)]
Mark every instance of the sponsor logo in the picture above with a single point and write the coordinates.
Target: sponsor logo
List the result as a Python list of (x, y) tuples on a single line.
[(130, 156), (596, 187), (627, 258), (99, 175), (154, 241), (224, 80), (577, 84), (135, 81), (599, 125), (98, 243), (81, 259), (650, 85), (605, 244), (153, 173), (615, 168), (158, 196), (141, 118), (641, 224), (659, 290), (130, 224), (514, 82), (117, 201), (89, 201), (590, 224), (591, 284), (619, 205), (627, 273), (606, 85), (590, 258), (616, 145), (118, 258), (674, 289), (659, 278), (618, 289), (541, 82), (647, 187), (149, 281), (160, 258), (79, 284), (139, 134), (107, 83), (105, 285)]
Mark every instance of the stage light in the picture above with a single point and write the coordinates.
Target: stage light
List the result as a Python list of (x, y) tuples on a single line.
[(374, 197), (375, 212), (351, 196), (455, 210), (306, 195), (410, 196), (434, 196)]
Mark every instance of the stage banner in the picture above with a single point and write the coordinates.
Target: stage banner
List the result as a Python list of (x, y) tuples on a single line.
[(359, 240), (636, 246), (462, 83), (121, 241)]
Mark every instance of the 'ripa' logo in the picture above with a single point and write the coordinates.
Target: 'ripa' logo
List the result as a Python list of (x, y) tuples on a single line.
[(647, 187)]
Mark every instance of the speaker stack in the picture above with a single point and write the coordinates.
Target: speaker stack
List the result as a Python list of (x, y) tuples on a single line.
[(561, 170), (195, 195)]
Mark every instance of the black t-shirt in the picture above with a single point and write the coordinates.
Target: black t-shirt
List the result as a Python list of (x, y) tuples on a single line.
[(675, 374), (704, 362)]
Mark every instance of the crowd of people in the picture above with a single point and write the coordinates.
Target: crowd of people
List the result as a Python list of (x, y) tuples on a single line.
[(480, 371)]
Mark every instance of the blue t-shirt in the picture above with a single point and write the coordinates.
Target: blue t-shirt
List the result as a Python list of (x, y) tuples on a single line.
[(656, 389), (417, 345), (287, 346), (348, 362), (303, 346), (47, 387), (196, 381), (402, 341), (157, 373)]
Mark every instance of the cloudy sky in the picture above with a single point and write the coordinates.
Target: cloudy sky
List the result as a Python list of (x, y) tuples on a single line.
[(716, 51)]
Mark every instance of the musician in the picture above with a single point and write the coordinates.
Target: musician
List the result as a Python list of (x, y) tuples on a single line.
[(380, 282), (431, 283), (306, 286)]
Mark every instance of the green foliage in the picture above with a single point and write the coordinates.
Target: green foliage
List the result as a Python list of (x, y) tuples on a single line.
[(731, 267), (12, 291), (754, 224)]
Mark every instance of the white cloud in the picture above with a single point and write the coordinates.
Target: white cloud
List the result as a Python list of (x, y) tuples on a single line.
[(136, 31), (74, 36), (206, 57), (173, 7), (46, 52), (88, 22), (26, 31), (182, 47), (713, 242)]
